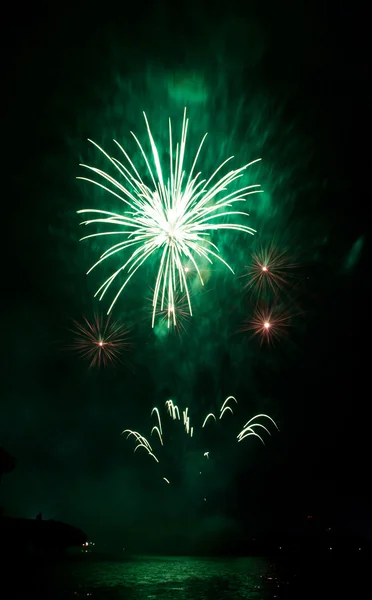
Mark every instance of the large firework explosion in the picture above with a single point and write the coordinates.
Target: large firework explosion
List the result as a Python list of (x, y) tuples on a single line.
[(171, 218)]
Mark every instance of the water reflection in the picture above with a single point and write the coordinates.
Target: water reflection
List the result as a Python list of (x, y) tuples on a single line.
[(188, 579), (174, 578)]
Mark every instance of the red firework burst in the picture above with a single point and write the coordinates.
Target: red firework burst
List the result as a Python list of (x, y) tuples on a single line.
[(268, 323), (101, 341), (270, 270)]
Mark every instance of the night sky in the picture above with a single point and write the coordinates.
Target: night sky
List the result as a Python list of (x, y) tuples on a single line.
[(288, 83)]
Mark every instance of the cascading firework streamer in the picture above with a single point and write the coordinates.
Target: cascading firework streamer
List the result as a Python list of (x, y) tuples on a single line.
[(171, 219), (186, 427)]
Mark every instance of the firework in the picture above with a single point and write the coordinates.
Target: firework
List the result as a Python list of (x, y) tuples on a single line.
[(223, 409), (156, 428), (142, 442), (173, 409), (249, 430), (171, 219), (101, 341), (270, 270), (268, 323), (209, 415), (175, 315)]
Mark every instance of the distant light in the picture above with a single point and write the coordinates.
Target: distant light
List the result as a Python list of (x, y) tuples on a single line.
[(267, 325), (280, 547), (330, 548), (309, 517), (264, 268), (359, 549), (100, 343), (206, 500)]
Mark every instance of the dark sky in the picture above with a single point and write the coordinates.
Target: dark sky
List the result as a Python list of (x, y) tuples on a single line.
[(286, 82)]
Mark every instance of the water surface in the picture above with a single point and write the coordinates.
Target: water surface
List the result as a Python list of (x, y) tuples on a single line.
[(183, 578)]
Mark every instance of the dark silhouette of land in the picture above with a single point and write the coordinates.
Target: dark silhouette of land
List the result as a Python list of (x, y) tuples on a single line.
[(50, 537), (39, 537)]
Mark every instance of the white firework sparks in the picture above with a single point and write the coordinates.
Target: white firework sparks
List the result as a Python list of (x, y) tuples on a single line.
[(172, 219), (249, 428)]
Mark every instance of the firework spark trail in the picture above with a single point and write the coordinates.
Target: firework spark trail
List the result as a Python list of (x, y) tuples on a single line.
[(248, 429), (143, 442), (226, 401), (224, 406), (223, 409), (139, 438), (157, 429), (206, 419), (173, 219), (173, 409), (156, 411), (186, 422)]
